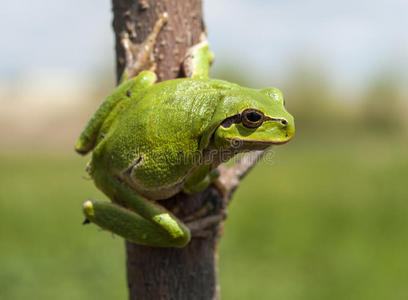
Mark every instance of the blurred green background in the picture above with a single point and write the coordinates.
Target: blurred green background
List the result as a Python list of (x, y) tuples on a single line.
[(326, 218)]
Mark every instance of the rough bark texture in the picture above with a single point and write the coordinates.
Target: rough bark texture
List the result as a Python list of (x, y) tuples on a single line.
[(170, 273), (183, 29)]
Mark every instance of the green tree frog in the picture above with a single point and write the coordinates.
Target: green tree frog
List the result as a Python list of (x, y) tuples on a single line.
[(153, 140)]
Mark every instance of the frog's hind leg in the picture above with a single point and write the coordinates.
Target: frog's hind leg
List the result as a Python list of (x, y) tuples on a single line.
[(162, 232), (142, 222)]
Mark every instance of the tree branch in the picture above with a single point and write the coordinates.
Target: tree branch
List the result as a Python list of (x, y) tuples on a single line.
[(171, 273), (230, 177)]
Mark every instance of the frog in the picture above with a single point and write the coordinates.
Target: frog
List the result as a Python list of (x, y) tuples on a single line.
[(152, 140)]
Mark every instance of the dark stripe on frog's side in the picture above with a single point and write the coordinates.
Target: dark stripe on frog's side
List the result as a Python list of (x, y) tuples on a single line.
[(283, 121), (235, 119)]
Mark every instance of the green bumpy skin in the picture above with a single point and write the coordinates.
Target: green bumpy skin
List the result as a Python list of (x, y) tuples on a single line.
[(151, 141)]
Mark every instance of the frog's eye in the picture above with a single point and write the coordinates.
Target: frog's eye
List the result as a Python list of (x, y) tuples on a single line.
[(252, 118)]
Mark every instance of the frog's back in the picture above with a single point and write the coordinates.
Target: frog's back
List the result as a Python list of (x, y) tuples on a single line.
[(161, 125), (187, 85), (174, 110), (185, 93)]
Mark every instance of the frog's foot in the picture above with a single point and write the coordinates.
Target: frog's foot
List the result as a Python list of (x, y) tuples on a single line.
[(161, 231), (201, 228), (201, 213), (201, 223), (139, 57)]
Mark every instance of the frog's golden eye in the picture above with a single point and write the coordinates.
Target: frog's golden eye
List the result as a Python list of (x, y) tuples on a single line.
[(252, 118)]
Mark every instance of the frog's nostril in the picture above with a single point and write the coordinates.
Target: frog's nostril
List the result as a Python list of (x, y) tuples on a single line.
[(284, 122)]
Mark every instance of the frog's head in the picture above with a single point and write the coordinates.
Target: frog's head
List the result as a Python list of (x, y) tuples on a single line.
[(253, 119)]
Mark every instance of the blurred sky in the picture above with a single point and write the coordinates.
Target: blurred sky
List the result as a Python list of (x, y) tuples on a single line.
[(350, 40)]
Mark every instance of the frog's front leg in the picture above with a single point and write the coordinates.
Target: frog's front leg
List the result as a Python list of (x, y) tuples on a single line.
[(142, 222), (200, 179), (200, 221), (89, 136), (198, 59)]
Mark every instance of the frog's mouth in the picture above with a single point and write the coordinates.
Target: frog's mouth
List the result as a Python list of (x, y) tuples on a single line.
[(260, 142), (253, 144)]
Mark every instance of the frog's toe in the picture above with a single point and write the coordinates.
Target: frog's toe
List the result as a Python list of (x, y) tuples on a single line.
[(86, 221)]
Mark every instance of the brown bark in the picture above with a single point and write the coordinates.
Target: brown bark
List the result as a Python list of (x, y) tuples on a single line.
[(170, 273), (183, 29)]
